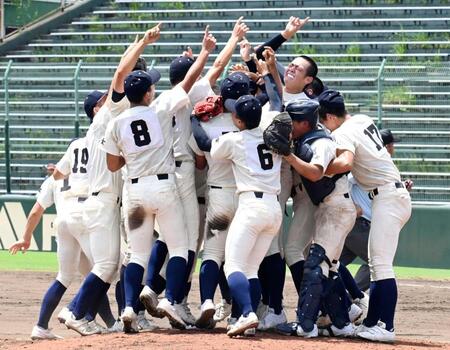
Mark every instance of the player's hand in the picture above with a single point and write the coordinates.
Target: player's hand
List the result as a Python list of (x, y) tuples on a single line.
[(209, 41), (293, 26), (240, 29), (409, 184), (21, 245), (261, 66), (245, 50), (152, 35), (188, 53), (239, 67), (269, 56)]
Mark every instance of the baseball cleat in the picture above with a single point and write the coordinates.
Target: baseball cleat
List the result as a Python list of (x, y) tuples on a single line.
[(97, 327), (262, 310), (143, 323), (271, 320), (231, 321), (304, 334), (223, 310), (243, 323), (289, 329), (39, 333), (172, 312), (82, 326), (187, 315), (354, 313), (63, 315), (150, 300), (117, 327), (332, 331), (208, 311), (376, 333), (129, 320), (251, 332)]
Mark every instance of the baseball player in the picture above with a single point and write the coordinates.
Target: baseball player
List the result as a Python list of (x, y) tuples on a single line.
[(184, 161), (68, 196), (258, 217), (334, 217), (138, 137), (221, 196), (101, 212), (361, 151)]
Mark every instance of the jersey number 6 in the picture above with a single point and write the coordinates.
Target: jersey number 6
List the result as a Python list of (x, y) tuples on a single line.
[(265, 157), (140, 132)]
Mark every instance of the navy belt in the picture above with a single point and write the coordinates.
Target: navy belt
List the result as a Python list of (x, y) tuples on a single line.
[(159, 176), (216, 187), (258, 194), (81, 199), (178, 163), (374, 192), (201, 200), (95, 193), (346, 195)]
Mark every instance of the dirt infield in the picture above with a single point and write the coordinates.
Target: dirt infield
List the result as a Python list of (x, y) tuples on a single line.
[(422, 322)]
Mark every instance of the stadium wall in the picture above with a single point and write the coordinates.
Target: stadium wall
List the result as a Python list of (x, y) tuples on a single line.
[(424, 241)]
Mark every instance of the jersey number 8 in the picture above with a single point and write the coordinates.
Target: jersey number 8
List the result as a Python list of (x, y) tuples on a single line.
[(140, 132)]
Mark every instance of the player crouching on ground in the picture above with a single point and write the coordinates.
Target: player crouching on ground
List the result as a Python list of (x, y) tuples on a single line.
[(258, 217), (335, 215)]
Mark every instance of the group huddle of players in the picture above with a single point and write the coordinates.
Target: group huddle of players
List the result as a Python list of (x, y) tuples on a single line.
[(211, 168)]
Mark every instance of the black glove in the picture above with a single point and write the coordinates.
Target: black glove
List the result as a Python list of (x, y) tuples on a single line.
[(277, 135)]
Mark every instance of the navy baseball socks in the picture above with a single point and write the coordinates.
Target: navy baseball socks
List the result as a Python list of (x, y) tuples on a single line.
[(49, 303), (157, 258), (89, 294), (187, 286), (209, 279), (350, 283), (297, 274), (133, 285), (224, 287), (176, 272), (239, 288), (382, 302)]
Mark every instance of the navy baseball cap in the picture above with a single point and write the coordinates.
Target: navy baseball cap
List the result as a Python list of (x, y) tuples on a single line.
[(331, 101), (91, 101), (387, 137), (247, 108), (237, 84), (138, 82), (304, 110), (179, 68)]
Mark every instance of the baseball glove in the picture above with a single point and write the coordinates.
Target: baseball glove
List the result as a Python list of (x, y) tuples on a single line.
[(278, 133), (209, 108)]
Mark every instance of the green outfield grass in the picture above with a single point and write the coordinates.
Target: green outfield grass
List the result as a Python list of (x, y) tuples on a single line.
[(40, 261)]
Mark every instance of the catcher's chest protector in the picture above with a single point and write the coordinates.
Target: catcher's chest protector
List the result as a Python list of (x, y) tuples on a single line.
[(318, 190)]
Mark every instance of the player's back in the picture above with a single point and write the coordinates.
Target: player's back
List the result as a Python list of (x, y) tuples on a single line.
[(255, 167), (145, 140), (372, 164)]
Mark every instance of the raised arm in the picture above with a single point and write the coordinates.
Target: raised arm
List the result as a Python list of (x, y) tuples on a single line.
[(130, 57), (208, 46), (239, 31)]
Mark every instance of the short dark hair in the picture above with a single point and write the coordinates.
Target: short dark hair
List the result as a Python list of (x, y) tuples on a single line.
[(141, 64), (137, 98), (323, 113), (312, 69), (250, 124)]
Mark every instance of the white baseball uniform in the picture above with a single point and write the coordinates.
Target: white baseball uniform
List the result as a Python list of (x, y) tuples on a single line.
[(336, 214), (375, 171), (221, 198), (184, 160), (258, 217), (102, 208), (144, 137), (68, 196)]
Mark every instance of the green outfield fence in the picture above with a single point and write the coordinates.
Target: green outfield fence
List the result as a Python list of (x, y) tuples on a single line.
[(424, 241)]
